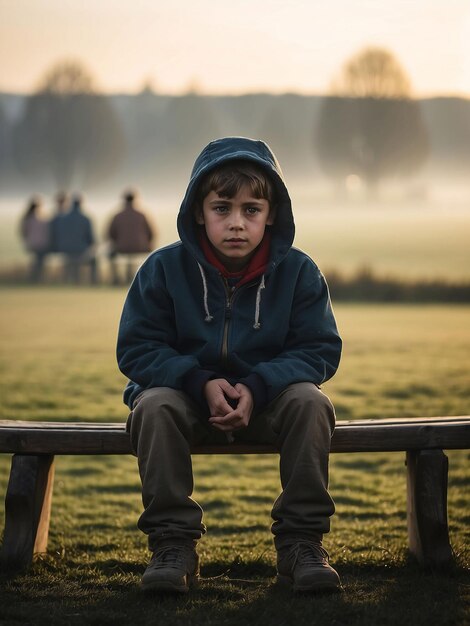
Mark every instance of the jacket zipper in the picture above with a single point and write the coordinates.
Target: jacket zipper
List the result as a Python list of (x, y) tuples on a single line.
[(230, 294), (228, 315)]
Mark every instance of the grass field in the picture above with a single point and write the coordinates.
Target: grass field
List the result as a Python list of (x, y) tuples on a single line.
[(57, 362)]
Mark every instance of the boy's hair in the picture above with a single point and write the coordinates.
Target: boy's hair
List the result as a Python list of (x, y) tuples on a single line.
[(228, 179)]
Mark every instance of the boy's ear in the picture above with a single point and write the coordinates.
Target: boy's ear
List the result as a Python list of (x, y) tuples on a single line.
[(199, 216)]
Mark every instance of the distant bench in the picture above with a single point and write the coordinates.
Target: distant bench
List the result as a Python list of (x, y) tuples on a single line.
[(34, 444)]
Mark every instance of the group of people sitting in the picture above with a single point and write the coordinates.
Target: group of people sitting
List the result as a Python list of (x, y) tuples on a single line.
[(69, 233)]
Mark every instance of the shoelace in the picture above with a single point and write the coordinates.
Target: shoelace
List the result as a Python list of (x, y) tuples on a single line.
[(169, 556), (305, 553)]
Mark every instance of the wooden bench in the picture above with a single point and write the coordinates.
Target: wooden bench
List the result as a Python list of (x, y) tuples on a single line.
[(34, 445)]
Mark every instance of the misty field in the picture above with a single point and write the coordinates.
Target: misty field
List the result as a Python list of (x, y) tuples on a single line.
[(57, 362), (408, 240)]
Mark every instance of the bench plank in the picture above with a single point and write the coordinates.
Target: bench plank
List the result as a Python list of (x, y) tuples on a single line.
[(349, 436), (34, 444)]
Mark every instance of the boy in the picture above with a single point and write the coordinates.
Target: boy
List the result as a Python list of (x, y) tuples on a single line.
[(226, 335)]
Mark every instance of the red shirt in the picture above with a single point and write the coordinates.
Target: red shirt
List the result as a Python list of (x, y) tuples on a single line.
[(255, 267)]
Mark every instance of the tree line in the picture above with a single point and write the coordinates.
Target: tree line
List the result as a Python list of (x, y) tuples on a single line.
[(369, 128)]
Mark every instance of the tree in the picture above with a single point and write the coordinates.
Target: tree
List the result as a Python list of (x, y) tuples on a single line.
[(190, 122), (373, 73), (3, 138), (370, 126), (68, 131), (283, 127)]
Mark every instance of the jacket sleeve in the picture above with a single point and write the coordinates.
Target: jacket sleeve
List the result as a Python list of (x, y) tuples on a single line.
[(147, 335), (312, 349)]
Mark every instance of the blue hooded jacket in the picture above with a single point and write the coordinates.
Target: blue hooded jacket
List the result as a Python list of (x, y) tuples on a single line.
[(179, 327)]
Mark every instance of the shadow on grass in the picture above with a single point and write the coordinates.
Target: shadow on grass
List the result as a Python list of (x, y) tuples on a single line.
[(343, 411), (216, 504), (91, 548), (365, 515), (372, 595), (350, 501), (410, 392), (117, 489), (87, 470), (253, 498), (107, 592), (109, 567), (235, 530), (458, 481), (358, 463)]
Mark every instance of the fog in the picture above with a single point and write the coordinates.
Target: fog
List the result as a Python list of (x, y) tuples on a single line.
[(407, 215), (401, 237)]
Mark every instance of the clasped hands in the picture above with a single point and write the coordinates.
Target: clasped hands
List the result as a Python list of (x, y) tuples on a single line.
[(225, 416)]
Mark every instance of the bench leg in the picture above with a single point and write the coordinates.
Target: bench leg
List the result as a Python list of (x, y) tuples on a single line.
[(27, 510), (428, 531)]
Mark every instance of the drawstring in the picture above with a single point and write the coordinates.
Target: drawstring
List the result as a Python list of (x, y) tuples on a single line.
[(257, 324), (208, 317)]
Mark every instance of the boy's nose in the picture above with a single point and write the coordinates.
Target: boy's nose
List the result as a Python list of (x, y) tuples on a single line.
[(237, 220)]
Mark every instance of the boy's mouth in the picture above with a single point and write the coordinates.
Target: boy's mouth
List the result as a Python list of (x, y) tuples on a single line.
[(235, 240)]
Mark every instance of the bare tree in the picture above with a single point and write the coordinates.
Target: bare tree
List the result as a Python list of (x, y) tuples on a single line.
[(68, 131), (373, 73), (67, 78), (370, 126)]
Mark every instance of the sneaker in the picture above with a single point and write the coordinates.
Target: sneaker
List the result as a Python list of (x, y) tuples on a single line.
[(172, 568), (304, 566)]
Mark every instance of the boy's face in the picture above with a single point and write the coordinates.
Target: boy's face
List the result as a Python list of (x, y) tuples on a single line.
[(235, 226)]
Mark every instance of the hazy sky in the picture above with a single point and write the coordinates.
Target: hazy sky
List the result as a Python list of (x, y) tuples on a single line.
[(233, 46)]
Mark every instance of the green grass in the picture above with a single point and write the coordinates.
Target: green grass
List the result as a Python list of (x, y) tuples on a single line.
[(57, 362), (57, 357)]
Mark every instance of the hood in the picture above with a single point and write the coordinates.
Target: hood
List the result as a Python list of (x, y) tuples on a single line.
[(239, 148)]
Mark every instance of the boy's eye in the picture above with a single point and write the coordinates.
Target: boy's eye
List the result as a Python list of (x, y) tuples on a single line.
[(221, 209), (252, 210)]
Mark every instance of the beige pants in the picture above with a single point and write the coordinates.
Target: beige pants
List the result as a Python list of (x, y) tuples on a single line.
[(299, 422)]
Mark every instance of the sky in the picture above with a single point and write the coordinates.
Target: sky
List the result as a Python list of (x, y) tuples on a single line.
[(233, 46)]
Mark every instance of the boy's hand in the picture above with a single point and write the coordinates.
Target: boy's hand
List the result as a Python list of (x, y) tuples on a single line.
[(240, 416), (216, 392)]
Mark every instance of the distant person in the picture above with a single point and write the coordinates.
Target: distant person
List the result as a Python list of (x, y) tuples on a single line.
[(61, 208), (130, 233), (34, 230), (75, 239)]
